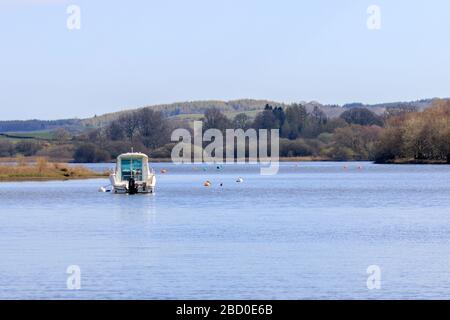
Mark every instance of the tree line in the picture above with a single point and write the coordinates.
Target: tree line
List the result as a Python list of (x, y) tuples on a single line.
[(418, 136), (400, 134), (302, 133)]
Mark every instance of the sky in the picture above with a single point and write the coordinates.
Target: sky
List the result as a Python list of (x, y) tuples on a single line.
[(129, 54)]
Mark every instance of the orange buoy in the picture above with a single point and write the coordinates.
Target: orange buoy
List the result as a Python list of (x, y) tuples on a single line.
[(207, 183), (163, 171)]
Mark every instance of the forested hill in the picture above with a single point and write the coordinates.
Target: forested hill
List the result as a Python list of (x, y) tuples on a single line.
[(195, 110), (188, 109), (72, 125), (181, 109), (382, 107)]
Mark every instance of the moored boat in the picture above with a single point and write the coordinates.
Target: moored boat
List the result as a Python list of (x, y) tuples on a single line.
[(133, 174)]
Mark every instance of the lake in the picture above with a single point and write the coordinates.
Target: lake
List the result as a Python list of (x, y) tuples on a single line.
[(309, 232)]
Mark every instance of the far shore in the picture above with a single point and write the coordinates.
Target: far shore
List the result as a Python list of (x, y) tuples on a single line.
[(166, 160), (33, 160), (41, 169), (416, 161)]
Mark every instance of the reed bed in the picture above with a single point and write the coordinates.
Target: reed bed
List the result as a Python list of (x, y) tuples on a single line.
[(44, 170)]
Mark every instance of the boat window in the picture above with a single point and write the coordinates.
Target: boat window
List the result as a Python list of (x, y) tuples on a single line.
[(131, 168)]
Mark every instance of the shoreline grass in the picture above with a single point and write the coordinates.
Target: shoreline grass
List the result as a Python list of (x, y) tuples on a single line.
[(43, 170)]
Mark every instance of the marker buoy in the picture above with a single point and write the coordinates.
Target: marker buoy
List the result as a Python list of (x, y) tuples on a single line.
[(207, 184), (163, 171), (104, 189), (239, 180)]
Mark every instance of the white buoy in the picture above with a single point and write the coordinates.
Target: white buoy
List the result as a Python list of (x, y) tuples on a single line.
[(239, 180), (104, 189)]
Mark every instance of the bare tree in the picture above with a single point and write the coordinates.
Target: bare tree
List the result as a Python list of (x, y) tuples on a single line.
[(153, 128), (129, 123)]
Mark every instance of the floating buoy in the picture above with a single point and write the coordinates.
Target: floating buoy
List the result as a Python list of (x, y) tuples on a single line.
[(239, 180), (104, 189), (163, 171), (207, 184)]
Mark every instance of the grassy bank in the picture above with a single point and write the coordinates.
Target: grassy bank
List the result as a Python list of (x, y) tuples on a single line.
[(413, 161), (43, 170), (32, 160)]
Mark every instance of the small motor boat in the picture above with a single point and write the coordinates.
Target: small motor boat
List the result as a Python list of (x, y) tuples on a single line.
[(133, 174)]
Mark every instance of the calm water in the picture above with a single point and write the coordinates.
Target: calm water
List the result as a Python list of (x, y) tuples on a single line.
[(309, 232)]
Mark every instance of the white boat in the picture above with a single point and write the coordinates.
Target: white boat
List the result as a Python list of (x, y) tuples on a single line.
[(133, 174)]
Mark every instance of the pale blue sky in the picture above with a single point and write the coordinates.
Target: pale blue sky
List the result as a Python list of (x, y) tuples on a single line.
[(135, 53)]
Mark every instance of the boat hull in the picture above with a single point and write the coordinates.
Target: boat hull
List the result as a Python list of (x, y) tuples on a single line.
[(141, 189), (121, 190)]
